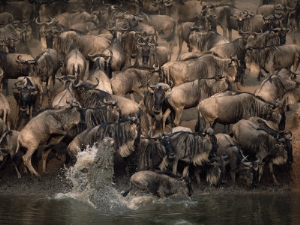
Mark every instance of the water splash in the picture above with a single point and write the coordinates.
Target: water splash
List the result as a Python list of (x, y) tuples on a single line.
[(92, 180), (92, 175)]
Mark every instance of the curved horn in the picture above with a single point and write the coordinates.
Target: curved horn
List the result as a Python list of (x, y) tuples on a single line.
[(38, 22), (1, 72), (93, 55), (20, 60), (52, 20), (93, 85)]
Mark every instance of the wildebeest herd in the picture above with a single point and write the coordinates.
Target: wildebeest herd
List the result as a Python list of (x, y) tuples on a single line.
[(119, 77)]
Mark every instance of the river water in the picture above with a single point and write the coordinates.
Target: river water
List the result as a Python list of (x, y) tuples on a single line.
[(203, 209), (94, 200)]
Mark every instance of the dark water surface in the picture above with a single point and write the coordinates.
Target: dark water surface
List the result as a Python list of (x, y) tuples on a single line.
[(202, 209)]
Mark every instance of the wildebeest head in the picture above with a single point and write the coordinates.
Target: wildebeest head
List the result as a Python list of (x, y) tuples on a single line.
[(159, 96), (217, 173), (25, 93), (24, 65), (146, 49), (284, 138), (281, 32)]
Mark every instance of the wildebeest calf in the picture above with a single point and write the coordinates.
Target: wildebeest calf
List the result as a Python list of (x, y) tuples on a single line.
[(159, 184)]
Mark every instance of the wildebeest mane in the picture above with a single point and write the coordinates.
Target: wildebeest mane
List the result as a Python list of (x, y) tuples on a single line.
[(190, 143), (150, 154), (119, 131), (96, 116)]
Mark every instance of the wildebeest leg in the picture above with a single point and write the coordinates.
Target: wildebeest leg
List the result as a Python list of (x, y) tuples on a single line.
[(185, 171), (27, 160), (17, 170), (272, 172), (48, 88), (30, 111), (175, 163), (197, 172), (232, 175), (164, 118), (5, 86), (52, 142), (260, 168), (230, 34), (178, 114), (180, 40), (132, 96), (45, 154), (138, 91)]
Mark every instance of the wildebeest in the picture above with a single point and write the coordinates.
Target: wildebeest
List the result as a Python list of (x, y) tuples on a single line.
[(287, 14), (161, 184), (88, 96), (261, 146), (153, 55), (84, 42), (8, 38), (153, 101), (150, 154), (192, 148), (204, 66), (74, 63), (183, 11), (12, 67), (5, 111), (133, 79), (97, 74), (188, 95), (111, 59), (66, 95), (225, 17), (271, 58), (261, 40), (277, 87), (43, 69), (125, 132), (26, 94), (165, 26), (200, 41), (232, 151), (3, 127), (6, 18), (47, 128), (230, 109), (8, 145)]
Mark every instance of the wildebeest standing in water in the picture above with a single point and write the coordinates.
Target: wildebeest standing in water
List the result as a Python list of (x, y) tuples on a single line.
[(261, 146), (160, 184)]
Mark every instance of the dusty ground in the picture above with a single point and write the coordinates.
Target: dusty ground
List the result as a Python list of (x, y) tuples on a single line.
[(55, 180)]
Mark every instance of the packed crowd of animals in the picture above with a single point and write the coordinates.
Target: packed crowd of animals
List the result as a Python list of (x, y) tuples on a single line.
[(113, 62)]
